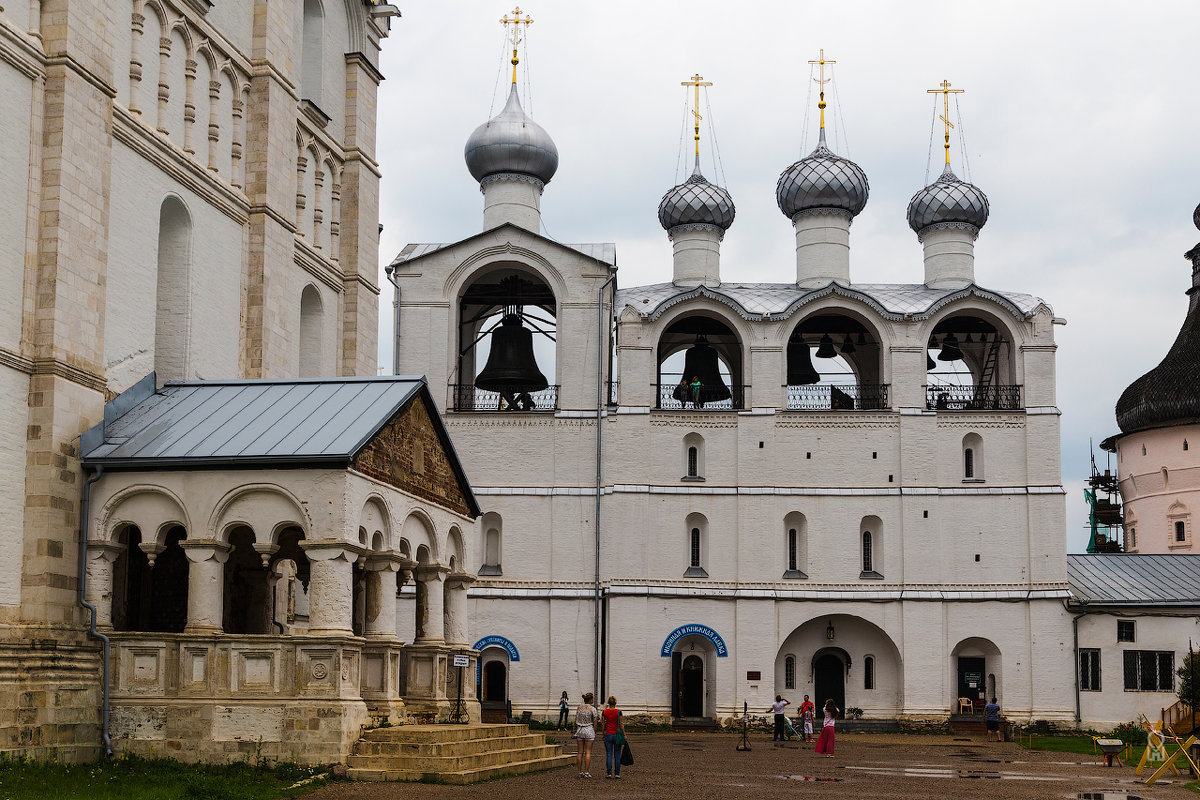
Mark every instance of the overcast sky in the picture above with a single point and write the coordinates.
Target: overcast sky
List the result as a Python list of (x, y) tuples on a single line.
[(1081, 119)]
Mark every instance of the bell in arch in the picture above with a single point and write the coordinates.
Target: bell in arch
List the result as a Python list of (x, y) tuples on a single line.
[(800, 371), (700, 364), (511, 366), (825, 347), (950, 351)]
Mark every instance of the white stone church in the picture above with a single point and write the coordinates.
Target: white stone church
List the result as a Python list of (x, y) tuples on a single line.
[(812, 486)]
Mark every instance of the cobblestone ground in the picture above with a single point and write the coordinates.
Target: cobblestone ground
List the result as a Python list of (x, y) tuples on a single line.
[(698, 766)]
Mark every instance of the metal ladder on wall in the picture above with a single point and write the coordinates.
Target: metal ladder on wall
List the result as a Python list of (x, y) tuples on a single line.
[(986, 376)]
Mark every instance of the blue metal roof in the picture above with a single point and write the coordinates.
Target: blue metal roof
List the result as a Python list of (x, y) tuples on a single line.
[(1134, 579)]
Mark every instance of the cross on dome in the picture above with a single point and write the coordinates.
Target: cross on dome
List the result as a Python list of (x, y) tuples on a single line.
[(516, 22), (821, 81), (697, 81), (945, 92)]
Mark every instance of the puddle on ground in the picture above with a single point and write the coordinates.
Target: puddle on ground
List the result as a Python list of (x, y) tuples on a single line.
[(809, 778), (1105, 794), (941, 772)]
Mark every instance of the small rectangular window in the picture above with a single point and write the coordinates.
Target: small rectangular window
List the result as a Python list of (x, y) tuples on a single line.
[(869, 673), (968, 463), (1089, 670), (866, 551), (791, 549), (693, 462), (1125, 630), (789, 673), (695, 547), (1180, 531)]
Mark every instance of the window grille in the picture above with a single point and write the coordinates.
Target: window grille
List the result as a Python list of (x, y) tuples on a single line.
[(968, 463), (1089, 670), (866, 552), (789, 672), (791, 543), (869, 672), (1149, 670), (693, 462), (695, 547), (1126, 631)]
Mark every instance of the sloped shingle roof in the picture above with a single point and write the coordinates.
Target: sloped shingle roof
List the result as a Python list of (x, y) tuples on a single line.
[(1134, 579)]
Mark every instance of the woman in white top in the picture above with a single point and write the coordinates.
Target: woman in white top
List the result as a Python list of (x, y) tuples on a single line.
[(825, 741), (585, 734)]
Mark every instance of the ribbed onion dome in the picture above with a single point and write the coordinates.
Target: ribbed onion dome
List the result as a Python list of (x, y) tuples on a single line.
[(696, 201), (1169, 394), (948, 199), (822, 180), (511, 142)]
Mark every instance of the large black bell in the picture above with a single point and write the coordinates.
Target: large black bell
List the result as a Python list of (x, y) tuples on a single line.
[(950, 351), (511, 366), (700, 366), (800, 370), (825, 347)]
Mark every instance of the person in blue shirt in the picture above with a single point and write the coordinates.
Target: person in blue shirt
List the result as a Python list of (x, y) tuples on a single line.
[(991, 716)]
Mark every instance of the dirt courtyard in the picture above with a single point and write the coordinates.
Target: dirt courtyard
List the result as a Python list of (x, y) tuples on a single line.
[(698, 766)]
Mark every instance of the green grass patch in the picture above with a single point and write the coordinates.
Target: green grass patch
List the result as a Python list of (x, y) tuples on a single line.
[(1084, 745), (132, 778)]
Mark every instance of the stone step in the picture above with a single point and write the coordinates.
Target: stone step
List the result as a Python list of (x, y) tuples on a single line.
[(453, 762), (462, 776), (464, 747), (441, 733)]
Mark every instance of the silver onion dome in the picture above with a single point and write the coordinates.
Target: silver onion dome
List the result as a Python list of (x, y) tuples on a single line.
[(511, 142), (948, 200), (822, 180), (1196, 217), (696, 202)]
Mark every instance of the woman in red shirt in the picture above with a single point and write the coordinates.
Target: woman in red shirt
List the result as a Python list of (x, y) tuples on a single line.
[(613, 724)]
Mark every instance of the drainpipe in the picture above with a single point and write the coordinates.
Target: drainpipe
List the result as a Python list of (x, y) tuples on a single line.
[(1075, 636), (600, 405), (390, 271), (84, 505)]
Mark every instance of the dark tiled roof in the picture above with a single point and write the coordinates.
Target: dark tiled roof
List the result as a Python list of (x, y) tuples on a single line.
[(1134, 579), (1169, 394)]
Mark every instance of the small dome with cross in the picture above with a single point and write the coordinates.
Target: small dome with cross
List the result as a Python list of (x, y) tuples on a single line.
[(822, 181), (696, 202)]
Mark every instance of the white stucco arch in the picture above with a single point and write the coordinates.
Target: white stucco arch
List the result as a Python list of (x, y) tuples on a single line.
[(854, 638), (375, 519), (999, 317), (419, 531), (265, 508), (154, 510)]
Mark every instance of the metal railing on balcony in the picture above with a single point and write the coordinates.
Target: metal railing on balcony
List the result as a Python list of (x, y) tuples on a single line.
[(845, 397), (468, 397), (973, 398), (680, 396)]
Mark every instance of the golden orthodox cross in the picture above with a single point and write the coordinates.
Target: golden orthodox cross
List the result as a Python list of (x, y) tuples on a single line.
[(516, 22), (821, 81), (945, 92), (697, 81)]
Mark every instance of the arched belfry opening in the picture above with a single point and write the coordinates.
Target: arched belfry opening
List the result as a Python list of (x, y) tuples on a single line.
[(970, 366), (833, 364), (700, 365), (508, 333)]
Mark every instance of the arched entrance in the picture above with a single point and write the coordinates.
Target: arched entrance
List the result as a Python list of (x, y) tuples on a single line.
[(495, 682), (691, 686), (977, 672), (496, 655), (829, 667)]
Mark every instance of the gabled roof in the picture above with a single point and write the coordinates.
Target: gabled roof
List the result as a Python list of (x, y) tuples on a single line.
[(604, 252), (1127, 579), (267, 423), (755, 301)]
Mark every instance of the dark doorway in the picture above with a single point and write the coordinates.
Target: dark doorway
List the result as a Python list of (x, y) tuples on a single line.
[(493, 692), (155, 598), (829, 681), (970, 679), (691, 687)]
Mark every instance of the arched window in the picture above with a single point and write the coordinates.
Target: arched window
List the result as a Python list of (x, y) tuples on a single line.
[(1180, 525), (312, 328), (789, 672), (871, 542), (172, 315), (697, 535), (1180, 531), (972, 460), (869, 672), (492, 527), (1185, 444), (311, 61), (795, 545), (693, 457)]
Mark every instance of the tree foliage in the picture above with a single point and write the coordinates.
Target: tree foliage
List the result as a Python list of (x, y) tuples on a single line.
[(1189, 679)]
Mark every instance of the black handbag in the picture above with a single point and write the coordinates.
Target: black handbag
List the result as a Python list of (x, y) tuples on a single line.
[(626, 755)]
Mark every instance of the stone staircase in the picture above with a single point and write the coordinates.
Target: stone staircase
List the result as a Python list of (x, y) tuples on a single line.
[(452, 753)]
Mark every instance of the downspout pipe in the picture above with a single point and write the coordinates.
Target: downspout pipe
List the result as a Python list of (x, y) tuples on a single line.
[(600, 405), (390, 271), (1075, 637), (105, 644)]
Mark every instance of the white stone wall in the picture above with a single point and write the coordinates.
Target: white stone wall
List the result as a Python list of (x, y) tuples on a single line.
[(15, 124), (1170, 630), (13, 422)]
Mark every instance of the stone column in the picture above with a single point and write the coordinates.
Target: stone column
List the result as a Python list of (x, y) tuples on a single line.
[(456, 626), (380, 618), (206, 584), (331, 587), (430, 603), (102, 556)]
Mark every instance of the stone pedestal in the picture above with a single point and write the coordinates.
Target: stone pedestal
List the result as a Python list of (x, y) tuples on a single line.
[(206, 584), (430, 603), (383, 662), (99, 591), (331, 587)]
